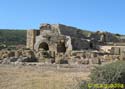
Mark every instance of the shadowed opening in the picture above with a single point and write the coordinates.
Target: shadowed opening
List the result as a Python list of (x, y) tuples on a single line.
[(61, 47), (44, 46)]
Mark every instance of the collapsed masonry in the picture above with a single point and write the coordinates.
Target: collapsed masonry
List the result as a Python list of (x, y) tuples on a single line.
[(57, 43), (58, 38)]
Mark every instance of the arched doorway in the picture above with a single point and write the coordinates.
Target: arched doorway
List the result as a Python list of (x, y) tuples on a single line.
[(61, 47), (44, 46)]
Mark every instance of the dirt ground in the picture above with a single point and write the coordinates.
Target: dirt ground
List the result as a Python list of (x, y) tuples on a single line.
[(41, 77)]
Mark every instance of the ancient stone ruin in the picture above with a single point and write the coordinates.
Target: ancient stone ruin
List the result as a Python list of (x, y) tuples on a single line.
[(57, 43), (62, 38), (56, 38)]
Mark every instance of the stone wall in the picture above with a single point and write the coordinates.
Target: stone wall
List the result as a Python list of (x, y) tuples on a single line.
[(104, 37)]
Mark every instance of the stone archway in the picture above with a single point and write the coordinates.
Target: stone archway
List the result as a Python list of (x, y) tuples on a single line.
[(44, 46)]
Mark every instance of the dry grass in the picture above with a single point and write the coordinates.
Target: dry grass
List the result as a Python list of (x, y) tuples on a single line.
[(32, 77)]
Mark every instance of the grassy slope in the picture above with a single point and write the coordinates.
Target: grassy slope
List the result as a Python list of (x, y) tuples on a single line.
[(12, 37)]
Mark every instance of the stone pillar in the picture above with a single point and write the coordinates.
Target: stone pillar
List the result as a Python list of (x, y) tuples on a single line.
[(31, 34), (52, 53)]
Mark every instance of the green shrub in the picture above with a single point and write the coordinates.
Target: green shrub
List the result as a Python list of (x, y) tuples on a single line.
[(109, 73), (113, 73)]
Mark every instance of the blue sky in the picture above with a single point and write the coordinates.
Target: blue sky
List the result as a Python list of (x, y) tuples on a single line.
[(105, 15)]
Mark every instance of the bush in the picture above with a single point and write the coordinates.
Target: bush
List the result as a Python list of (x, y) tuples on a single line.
[(113, 73), (109, 73)]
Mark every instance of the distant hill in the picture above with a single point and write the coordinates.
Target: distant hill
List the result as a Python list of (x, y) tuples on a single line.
[(12, 37), (18, 37)]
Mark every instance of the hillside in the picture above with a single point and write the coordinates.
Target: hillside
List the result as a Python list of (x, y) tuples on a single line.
[(16, 36), (12, 37)]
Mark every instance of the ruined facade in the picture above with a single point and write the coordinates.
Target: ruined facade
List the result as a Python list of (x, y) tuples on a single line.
[(57, 38), (60, 44)]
